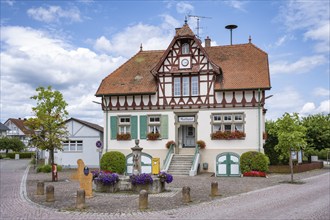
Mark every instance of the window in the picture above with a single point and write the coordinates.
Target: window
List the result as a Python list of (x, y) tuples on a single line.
[(177, 87), (185, 48), (228, 122), (124, 125), (154, 124), (189, 86), (194, 86), (72, 145), (185, 86)]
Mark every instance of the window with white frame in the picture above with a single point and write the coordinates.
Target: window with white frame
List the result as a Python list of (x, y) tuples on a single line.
[(154, 124), (190, 86), (73, 145), (228, 122), (194, 86), (177, 86), (185, 48), (124, 125)]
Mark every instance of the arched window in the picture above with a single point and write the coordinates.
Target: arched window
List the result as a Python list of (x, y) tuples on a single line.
[(185, 48)]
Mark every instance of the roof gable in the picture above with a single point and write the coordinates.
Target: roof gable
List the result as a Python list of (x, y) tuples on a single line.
[(19, 123), (88, 124)]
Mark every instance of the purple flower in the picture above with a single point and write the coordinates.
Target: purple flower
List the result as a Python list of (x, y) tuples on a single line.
[(141, 179), (107, 178), (163, 176)]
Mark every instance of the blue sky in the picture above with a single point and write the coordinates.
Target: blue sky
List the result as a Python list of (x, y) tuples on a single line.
[(73, 45)]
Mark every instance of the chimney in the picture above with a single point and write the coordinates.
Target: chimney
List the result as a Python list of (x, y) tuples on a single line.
[(207, 42)]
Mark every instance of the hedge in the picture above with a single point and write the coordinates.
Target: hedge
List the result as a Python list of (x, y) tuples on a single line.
[(22, 155)]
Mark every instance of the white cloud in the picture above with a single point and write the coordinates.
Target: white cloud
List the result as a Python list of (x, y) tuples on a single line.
[(9, 2), (127, 42), (184, 8), (54, 14), (40, 60), (302, 65), (310, 108), (236, 4), (312, 17), (321, 92)]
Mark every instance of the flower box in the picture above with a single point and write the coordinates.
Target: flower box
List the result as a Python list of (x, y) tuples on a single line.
[(101, 187), (123, 137), (153, 136), (227, 135)]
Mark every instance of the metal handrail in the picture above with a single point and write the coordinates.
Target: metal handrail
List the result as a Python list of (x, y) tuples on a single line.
[(169, 152), (195, 156)]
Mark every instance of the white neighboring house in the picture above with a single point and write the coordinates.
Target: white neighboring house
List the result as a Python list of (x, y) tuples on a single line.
[(3, 130), (81, 142), (17, 129)]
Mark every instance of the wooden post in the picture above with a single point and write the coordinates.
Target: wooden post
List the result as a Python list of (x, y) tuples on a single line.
[(50, 193), (80, 202), (143, 200), (186, 194), (214, 189), (40, 188)]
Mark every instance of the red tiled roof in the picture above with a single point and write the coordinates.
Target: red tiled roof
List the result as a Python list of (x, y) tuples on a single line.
[(20, 125), (243, 66)]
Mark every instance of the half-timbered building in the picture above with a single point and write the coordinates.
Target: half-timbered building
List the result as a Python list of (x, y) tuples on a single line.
[(184, 94)]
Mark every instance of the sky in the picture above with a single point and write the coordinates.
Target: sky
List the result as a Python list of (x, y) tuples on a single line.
[(73, 45)]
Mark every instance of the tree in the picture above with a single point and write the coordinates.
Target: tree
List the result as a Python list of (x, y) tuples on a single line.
[(318, 131), (49, 121), (291, 136), (270, 144), (13, 144)]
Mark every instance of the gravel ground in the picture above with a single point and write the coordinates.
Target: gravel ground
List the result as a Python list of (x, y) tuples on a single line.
[(65, 191)]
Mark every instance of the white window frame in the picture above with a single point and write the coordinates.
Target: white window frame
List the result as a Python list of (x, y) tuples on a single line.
[(124, 125), (177, 86), (73, 146), (154, 123), (185, 48), (194, 86), (220, 121), (185, 86)]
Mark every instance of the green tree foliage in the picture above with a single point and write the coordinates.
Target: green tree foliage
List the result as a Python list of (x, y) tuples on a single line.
[(254, 161), (318, 131), (270, 144), (49, 121), (13, 144), (113, 161)]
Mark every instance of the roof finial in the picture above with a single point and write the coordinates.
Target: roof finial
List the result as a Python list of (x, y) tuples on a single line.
[(250, 39), (185, 19), (141, 48)]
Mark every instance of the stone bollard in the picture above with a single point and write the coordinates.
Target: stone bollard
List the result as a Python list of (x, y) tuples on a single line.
[(40, 188), (143, 200), (80, 202), (186, 194), (214, 189), (50, 193)]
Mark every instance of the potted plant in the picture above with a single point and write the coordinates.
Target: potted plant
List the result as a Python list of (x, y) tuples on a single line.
[(153, 136), (141, 181), (124, 137), (105, 181), (169, 143), (201, 144)]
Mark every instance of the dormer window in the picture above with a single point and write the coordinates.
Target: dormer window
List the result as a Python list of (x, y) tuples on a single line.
[(185, 48)]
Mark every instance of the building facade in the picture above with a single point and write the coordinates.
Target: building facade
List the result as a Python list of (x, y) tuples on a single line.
[(17, 129), (188, 93)]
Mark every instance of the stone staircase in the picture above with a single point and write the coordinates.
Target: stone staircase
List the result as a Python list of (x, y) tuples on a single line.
[(181, 164)]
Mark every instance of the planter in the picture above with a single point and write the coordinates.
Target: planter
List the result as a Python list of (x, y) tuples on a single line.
[(112, 188), (156, 187)]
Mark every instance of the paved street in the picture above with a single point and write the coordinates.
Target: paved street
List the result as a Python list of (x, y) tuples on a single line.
[(285, 201)]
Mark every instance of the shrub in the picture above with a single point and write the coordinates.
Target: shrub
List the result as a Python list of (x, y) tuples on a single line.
[(201, 144), (48, 168), (254, 161), (22, 155), (113, 161)]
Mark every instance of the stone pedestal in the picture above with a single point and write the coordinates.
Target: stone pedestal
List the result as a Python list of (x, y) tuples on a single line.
[(143, 199), (156, 187), (186, 194), (214, 189), (80, 202), (50, 193), (112, 188), (40, 188)]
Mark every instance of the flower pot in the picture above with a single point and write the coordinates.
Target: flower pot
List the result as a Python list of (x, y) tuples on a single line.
[(112, 188)]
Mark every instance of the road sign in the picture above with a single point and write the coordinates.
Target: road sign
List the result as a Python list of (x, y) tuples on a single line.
[(98, 144)]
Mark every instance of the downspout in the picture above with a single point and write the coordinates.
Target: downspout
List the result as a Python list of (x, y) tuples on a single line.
[(106, 125), (259, 128)]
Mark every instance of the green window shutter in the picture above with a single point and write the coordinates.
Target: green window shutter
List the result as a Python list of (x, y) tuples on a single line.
[(134, 127), (164, 126), (143, 127), (113, 127)]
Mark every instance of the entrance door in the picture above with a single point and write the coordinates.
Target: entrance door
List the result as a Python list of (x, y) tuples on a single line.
[(188, 137), (228, 164)]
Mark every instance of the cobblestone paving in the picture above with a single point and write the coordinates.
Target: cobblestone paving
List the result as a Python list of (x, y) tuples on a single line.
[(18, 199)]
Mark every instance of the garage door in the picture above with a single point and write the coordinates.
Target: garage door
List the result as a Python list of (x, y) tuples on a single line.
[(145, 163), (227, 164)]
